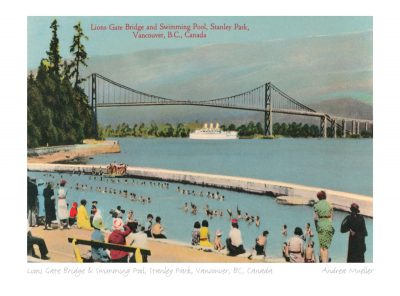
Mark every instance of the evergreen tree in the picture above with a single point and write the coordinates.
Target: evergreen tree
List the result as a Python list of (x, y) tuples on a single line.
[(66, 74), (53, 54), (58, 112), (80, 56), (35, 107)]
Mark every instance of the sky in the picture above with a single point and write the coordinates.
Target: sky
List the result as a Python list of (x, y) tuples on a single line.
[(120, 42)]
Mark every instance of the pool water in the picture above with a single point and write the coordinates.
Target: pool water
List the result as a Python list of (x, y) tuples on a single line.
[(168, 203)]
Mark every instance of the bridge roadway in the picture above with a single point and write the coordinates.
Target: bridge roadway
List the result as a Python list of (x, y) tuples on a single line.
[(227, 106)]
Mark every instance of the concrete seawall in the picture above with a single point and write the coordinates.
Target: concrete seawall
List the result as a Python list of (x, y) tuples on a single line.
[(285, 193)]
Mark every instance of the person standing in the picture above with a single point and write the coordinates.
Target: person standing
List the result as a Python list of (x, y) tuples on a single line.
[(49, 206), (131, 221), (355, 225), (308, 234), (93, 211), (62, 208), (258, 221), (32, 203), (323, 214), (284, 231), (41, 209)]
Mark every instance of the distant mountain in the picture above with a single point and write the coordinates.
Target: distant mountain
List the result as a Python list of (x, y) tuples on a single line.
[(312, 70), (345, 107), (309, 69)]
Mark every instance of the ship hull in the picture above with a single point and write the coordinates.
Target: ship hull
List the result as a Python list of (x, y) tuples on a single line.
[(213, 136)]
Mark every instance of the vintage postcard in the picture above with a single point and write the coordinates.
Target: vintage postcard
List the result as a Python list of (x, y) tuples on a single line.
[(200, 139)]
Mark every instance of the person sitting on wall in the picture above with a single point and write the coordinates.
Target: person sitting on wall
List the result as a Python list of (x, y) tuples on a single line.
[(99, 254), (204, 235), (234, 242), (83, 217), (33, 240), (118, 236), (157, 229), (149, 225)]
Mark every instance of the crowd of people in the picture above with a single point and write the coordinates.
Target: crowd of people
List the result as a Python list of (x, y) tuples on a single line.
[(58, 212), (207, 210), (245, 217), (234, 243), (298, 248), (115, 169), (210, 213), (210, 195), (132, 196)]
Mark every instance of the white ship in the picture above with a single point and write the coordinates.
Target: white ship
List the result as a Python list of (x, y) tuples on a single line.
[(212, 133)]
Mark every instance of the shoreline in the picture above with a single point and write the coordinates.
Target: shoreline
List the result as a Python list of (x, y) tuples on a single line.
[(68, 153)]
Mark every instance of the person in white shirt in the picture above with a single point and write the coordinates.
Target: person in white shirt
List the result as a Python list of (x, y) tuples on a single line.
[(140, 242), (140, 239), (234, 242)]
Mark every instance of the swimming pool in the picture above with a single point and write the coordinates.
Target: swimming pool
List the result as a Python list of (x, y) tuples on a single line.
[(167, 203)]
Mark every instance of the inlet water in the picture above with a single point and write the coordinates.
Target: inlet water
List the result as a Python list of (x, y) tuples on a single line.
[(338, 164)]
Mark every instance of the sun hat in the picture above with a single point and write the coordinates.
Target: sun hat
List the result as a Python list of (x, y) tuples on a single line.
[(219, 233), (118, 224), (234, 221)]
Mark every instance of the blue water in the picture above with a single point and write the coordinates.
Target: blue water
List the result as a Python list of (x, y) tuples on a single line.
[(337, 164)]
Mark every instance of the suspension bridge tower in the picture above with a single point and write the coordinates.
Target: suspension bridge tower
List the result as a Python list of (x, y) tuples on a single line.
[(94, 106), (268, 110)]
